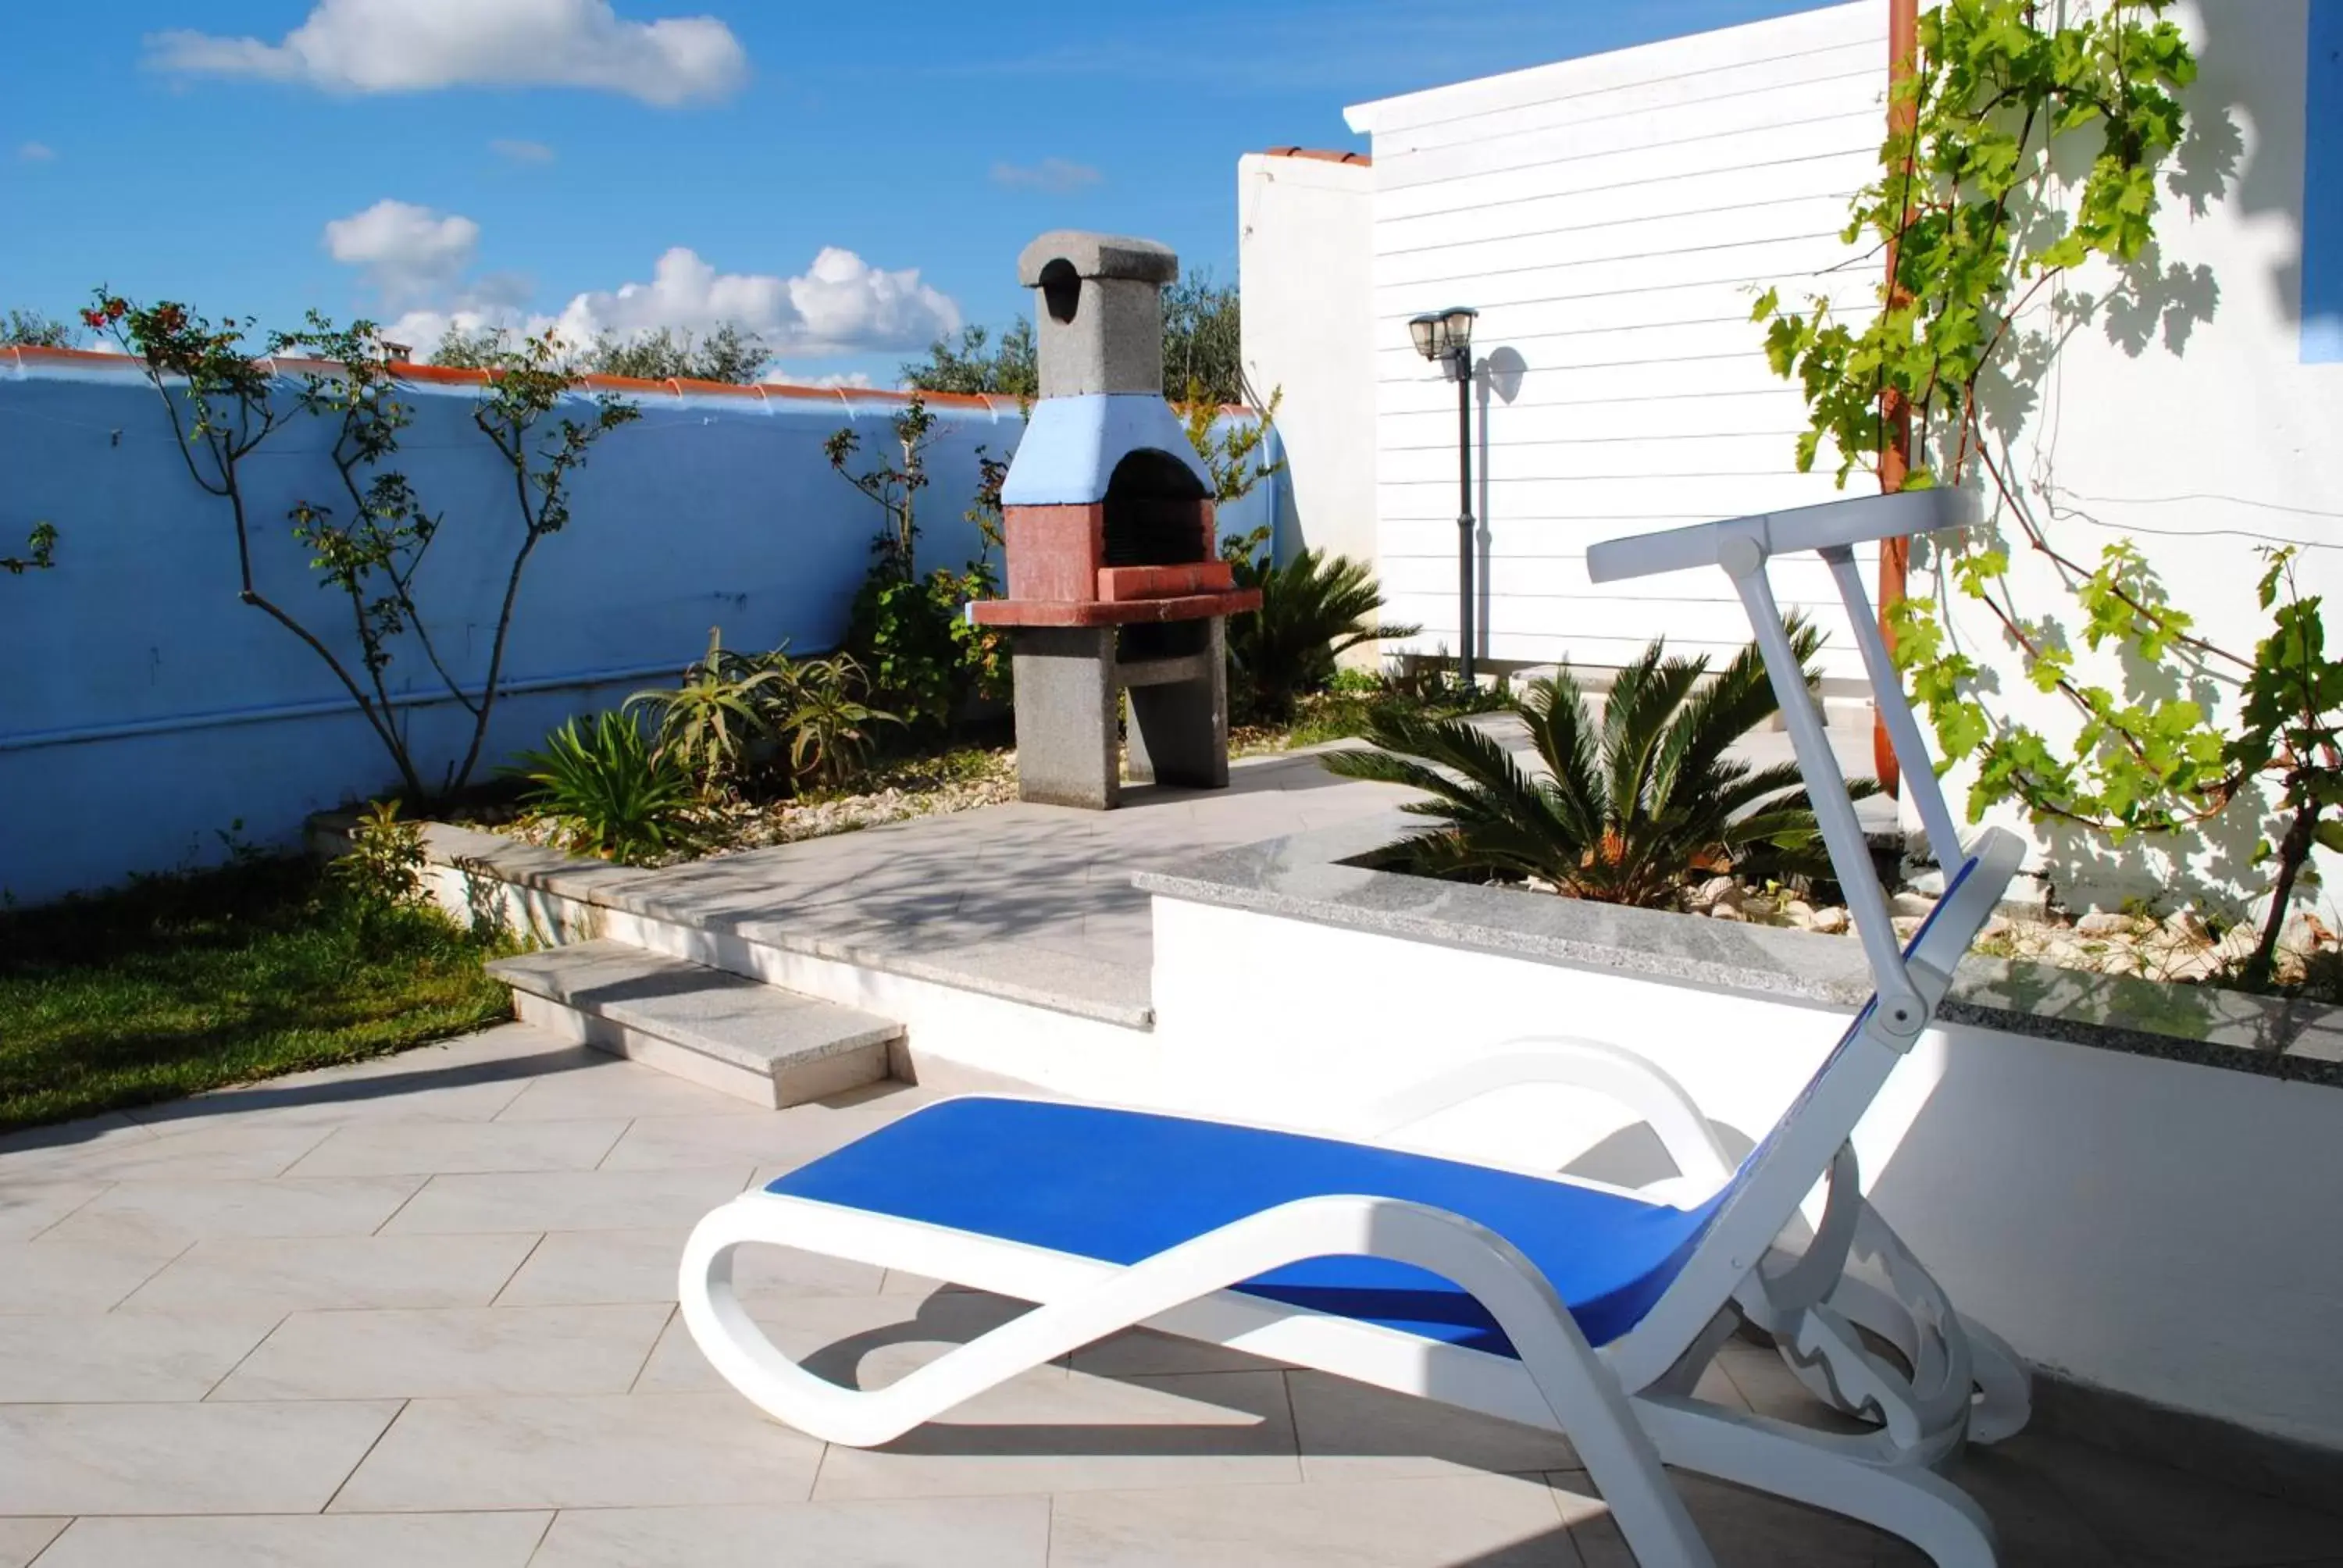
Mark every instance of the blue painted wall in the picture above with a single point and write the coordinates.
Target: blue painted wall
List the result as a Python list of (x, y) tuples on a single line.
[(146, 710), (2322, 187)]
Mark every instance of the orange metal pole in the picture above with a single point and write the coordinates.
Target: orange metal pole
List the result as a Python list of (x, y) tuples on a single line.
[(1895, 455)]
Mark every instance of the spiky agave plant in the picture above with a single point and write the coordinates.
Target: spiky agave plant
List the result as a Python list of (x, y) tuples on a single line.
[(1624, 810), (1314, 609), (727, 701)]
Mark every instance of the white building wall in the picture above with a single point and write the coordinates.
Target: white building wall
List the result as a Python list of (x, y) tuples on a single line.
[(1613, 218), (1305, 248), (2196, 426)]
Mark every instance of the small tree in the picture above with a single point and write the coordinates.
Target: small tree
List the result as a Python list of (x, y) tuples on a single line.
[(978, 364), (923, 658), (1231, 453), (369, 542), (1203, 329), (31, 329), (895, 483), (731, 353)]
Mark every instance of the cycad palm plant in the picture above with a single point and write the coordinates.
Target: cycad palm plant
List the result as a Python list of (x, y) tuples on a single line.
[(1314, 609), (1624, 810)]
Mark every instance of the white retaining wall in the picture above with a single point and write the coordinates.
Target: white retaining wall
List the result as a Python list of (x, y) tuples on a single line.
[(2158, 1227)]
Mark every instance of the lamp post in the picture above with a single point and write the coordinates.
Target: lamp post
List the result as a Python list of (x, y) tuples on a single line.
[(1446, 336)]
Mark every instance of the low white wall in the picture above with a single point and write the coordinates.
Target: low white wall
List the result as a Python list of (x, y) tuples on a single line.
[(1305, 261), (2157, 1228)]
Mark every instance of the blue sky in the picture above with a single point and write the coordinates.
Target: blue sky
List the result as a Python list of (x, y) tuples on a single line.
[(525, 160)]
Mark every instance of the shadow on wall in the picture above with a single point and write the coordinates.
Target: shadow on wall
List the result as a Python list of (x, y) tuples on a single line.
[(2154, 307), (1498, 376)]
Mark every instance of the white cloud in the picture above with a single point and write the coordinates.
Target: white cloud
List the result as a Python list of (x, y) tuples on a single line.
[(417, 260), (840, 303), (406, 251), (415, 45), (1055, 175), (779, 376), (520, 152), (37, 153)]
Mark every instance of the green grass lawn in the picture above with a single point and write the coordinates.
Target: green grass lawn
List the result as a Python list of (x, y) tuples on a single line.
[(184, 983)]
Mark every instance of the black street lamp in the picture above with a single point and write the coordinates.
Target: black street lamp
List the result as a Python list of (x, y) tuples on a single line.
[(1446, 336)]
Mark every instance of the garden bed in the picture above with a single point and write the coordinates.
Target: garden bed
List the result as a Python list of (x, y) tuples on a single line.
[(893, 791)]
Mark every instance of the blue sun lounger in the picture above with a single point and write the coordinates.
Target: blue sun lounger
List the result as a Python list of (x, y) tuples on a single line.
[(1588, 1309)]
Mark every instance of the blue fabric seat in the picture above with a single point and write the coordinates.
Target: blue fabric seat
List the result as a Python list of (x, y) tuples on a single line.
[(1122, 1185)]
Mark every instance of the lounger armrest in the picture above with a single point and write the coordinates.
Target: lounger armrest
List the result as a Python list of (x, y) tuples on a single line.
[(1858, 520), (1611, 1071)]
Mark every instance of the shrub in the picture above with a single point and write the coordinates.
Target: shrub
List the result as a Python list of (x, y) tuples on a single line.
[(1314, 609), (605, 790), (1626, 810), (382, 869), (922, 656)]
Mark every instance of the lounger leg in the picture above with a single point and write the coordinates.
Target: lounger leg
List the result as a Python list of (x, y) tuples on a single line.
[(1771, 1456)]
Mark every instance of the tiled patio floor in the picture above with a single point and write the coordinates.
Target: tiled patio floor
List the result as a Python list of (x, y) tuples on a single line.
[(421, 1313)]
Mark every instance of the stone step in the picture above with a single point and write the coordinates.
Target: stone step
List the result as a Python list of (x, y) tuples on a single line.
[(722, 1031)]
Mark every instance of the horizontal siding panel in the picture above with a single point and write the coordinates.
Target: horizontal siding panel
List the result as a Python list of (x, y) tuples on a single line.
[(1710, 302), (1402, 371), (1835, 167), (1784, 36), (1565, 168), (1692, 98), (1742, 374), (1802, 579), (1531, 502), (1808, 264), (1819, 219), (1531, 631), (1772, 410), (1654, 458)]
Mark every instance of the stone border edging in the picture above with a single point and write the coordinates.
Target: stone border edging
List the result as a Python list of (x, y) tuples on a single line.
[(1315, 877)]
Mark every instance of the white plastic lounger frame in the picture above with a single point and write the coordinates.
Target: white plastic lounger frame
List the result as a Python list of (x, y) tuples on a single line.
[(1628, 1406)]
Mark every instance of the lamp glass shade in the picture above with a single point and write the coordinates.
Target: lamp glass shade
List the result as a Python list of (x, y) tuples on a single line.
[(1426, 330), (1457, 327)]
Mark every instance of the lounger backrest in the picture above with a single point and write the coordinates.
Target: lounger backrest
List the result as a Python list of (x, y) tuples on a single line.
[(1912, 978)]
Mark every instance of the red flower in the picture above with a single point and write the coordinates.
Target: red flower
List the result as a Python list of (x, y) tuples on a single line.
[(97, 319)]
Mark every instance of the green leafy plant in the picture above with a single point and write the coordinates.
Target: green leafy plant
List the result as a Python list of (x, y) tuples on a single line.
[(1623, 810), (603, 788), (909, 631), (21, 328), (219, 393), (2025, 148), (980, 363), (2292, 724), (1980, 228), (831, 729), (40, 552), (1232, 452), (1314, 609), (894, 482), (383, 867), (727, 701)]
